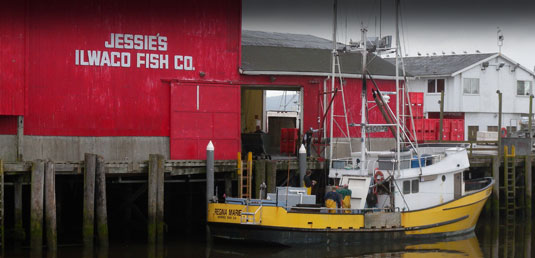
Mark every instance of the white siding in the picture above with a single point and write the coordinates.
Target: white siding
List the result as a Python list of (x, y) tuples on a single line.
[(481, 109)]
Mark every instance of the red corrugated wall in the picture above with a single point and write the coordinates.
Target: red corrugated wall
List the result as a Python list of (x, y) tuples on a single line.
[(201, 113), (44, 77), (12, 58), (64, 98)]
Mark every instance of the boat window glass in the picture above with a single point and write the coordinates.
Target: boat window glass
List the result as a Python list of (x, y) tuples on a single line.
[(492, 128), (415, 186), (407, 187), (443, 178)]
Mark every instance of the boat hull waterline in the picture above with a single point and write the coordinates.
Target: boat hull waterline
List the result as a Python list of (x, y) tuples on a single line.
[(277, 225)]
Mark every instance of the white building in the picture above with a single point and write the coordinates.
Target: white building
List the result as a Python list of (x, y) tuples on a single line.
[(470, 83)]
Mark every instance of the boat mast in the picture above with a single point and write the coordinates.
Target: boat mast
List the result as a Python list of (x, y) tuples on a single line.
[(333, 62), (398, 147), (363, 106)]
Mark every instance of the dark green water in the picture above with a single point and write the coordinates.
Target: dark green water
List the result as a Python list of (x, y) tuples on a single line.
[(490, 239)]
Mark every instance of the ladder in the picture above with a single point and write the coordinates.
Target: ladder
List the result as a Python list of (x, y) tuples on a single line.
[(510, 182), (2, 231), (248, 217), (245, 176)]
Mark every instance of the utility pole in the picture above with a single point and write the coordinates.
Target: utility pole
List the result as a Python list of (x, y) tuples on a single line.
[(499, 121)]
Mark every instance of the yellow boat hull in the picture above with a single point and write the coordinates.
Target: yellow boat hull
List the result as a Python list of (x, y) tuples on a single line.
[(277, 224)]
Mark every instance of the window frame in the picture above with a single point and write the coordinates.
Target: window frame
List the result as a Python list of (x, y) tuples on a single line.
[(406, 190), (415, 182), (436, 85), (470, 80), (524, 88)]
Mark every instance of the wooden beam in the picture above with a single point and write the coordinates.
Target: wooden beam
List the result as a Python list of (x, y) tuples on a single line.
[(36, 206), (50, 207), (20, 138), (88, 227), (100, 199)]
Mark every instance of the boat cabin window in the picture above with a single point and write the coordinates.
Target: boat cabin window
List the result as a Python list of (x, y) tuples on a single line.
[(411, 186), (415, 186), (406, 187)]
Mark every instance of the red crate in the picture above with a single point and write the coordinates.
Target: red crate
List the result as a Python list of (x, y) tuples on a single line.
[(290, 146), (446, 129), (430, 129), (292, 134), (283, 146), (416, 98)]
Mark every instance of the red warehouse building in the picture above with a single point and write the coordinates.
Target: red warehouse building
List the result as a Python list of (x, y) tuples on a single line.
[(126, 79)]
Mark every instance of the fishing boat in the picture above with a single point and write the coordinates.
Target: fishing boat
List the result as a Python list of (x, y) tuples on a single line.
[(413, 191)]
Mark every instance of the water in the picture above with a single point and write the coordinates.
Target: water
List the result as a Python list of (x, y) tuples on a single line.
[(490, 239)]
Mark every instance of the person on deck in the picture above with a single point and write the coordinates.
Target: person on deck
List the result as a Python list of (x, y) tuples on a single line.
[(309, 183), (332, 200), (345, 193)]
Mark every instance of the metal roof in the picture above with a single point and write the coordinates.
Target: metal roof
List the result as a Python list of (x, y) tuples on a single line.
[(284, 53), (444, 65), (277, 39)]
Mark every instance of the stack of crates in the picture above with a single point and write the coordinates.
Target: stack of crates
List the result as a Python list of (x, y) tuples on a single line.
[(457, 130), (417, 107), (430, 129), (419, 126), (288, 141), (417, 104)]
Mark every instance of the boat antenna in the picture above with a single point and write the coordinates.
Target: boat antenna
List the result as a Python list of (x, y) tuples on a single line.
[(398, 147), (333, 62), (363, 105)]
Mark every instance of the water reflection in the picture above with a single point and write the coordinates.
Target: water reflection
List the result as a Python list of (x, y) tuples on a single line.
[(490, 239), (464, 246)]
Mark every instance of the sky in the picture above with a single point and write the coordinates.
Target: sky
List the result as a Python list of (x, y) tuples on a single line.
[(427, 26)]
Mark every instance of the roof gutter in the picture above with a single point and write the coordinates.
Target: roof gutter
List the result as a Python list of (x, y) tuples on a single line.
[(344, 75)]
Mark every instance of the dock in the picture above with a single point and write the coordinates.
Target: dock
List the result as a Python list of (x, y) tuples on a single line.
[(512, 195)]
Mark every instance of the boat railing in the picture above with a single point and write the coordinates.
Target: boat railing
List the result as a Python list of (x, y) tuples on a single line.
[(250, 217), (476, 184), (298, 209)]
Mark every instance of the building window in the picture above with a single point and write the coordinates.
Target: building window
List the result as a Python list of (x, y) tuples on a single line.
[(435, 86), (407, 187), (523, 88), (471, 86)]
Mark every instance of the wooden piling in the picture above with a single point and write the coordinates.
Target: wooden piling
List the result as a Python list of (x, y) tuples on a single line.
[(88, 227), (19, 228), (152, 196), (496, 189), (36, 206), (528, 189), (259, 176), (50, 207), (155, 199), (160, 225), (271, 176), (100, 202)]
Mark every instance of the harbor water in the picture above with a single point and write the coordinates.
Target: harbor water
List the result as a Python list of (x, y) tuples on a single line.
[(490, 239)]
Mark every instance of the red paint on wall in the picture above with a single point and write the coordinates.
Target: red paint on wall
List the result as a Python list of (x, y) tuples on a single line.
[(65, 98), (201, 113), (12, 42)]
